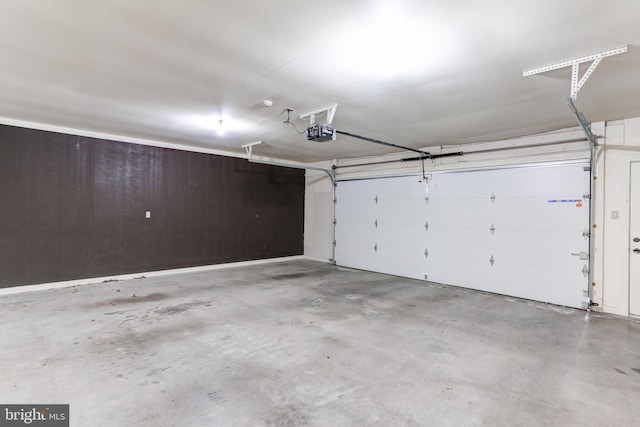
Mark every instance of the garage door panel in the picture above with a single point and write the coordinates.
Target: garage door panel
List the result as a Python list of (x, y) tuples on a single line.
[(540, 181), (531, 282), (409, 200), (350, 211), (537, 181), (414, 222), (384, 260), (453, 212), (454, 240), (527, 247), (551, 214), (354, 232), (457, 185), (402, 238), (354, 257), (400, 263), (516, 214), (412, 211), (355, 190), (445, 269), (360, 255), (508, 278), (399, 186)]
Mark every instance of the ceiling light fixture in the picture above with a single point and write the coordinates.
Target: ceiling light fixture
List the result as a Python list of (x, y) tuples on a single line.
[(217, 123), (220, 128)]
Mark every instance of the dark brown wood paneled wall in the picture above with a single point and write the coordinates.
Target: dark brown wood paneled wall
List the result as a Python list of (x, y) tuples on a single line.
[(73, 207)]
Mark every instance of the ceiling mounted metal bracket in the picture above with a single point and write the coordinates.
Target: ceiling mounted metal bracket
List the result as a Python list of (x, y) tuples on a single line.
[(248, 148), (311, 115), (576, 81)]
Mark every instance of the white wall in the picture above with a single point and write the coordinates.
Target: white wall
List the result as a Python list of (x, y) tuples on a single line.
[(611, 255), (611, 261), (318, 215)]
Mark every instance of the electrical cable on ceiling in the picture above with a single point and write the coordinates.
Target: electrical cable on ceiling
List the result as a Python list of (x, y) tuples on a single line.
[(289, 122)]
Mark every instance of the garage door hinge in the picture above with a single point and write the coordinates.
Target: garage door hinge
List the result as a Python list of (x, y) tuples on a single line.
[(426, 253), (375, 247), (426, 226), (426, 199), (492, 229), (586, 234), (587, 168), (493, 197), (376, 199), (585, 271), (335, 222), (492, 261), (375, 223), (586, 196), (334, 243), (335, 200)]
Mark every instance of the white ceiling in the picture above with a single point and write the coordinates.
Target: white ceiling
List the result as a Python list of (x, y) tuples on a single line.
[(416, 72)]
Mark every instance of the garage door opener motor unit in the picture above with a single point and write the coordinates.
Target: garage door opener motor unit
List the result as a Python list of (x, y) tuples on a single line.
[(321, 133)]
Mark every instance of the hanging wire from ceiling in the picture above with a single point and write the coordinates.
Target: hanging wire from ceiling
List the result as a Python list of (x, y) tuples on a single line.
[(289, 122)]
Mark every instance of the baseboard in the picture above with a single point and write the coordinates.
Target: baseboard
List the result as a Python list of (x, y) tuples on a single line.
[(311, 258), (94, 280)]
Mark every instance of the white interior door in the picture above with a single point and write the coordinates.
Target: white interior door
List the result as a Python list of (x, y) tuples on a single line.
[(634, 241), (520, 231)]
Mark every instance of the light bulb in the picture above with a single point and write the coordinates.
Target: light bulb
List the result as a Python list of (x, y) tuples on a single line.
[(220, 128)]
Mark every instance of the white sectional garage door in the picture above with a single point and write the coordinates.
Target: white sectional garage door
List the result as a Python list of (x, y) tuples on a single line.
[(514, 231)]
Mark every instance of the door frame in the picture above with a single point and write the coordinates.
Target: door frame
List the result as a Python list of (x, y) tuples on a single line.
[(630, 237)]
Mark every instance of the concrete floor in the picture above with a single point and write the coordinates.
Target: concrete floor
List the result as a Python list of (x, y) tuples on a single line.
[(305, 343)]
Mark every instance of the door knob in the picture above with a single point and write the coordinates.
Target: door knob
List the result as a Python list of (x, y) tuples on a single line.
[(636, 251), (636, 239)]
